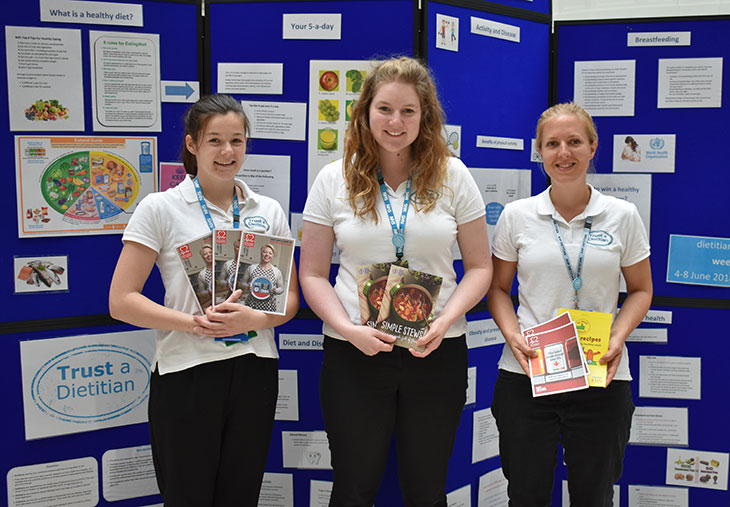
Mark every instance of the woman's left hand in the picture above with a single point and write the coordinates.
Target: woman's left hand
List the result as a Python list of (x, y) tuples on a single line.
[(432, 339), (227, 319), (612, 358)]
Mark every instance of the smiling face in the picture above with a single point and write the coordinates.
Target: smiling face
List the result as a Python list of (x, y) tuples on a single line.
[(395, 117), (266, 254), (566, 148), (207, 254), (220, 150)]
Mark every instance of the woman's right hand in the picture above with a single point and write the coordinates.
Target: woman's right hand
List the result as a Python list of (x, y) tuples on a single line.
[(369, 340), (521, 350)]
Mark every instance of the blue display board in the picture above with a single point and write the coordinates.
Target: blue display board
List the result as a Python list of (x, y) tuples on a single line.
[(690, 202)]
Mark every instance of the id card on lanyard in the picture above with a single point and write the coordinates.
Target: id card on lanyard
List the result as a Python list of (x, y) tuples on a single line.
[(399, 227)]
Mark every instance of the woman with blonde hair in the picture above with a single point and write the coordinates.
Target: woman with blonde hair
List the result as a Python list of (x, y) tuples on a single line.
[(568, 247), (395, 159)]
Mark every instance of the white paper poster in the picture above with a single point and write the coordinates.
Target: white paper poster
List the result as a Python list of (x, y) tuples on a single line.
[(485, 436), (71, 186), (658, 496), (670, 377), (483, 332), (643, 153), (494, 29), (254, 78), (287, 403), (499, 187), (605, 87), (699, 469), (317, 26), (277, 490), (128, 473), (660, 426), (459, 497), (447, 32), (45, 90), (644, 39), (277, 120), (125, 81), (634, 188), (689, 82), (648, 335), (97, 13), (305, 449), (70, 482), (84, 383), (319, 493), (40, 274), (334, 87), (471, 385), (268, 175), (452, 134), (493, 489)]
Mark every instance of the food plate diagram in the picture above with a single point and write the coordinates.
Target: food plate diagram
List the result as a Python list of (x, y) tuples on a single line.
[(69, 185), (90, 185)]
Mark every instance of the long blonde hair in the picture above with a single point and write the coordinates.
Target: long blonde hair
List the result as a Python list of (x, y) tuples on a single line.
[(429, 151)]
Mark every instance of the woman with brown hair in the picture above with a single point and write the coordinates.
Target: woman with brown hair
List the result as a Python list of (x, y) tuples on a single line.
[(395, 159)]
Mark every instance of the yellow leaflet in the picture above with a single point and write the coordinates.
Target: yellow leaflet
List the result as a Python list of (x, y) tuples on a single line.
[(594, 330)]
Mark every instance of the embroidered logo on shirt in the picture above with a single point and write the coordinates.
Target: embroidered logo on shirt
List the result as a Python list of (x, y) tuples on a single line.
[(256, 223), (600, 238)]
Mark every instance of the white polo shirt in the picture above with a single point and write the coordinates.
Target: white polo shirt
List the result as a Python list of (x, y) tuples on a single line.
[(524, 234), (430, 236), (165, 220)]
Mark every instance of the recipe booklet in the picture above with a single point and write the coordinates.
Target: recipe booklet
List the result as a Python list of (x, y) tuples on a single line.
[(196, 259), (559, 365), (263, 271), (371, 280), (408, 304), (594, 331)]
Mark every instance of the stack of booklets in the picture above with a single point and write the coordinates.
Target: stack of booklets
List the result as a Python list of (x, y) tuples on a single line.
[(397, 300), (221, 261), (562, 344)]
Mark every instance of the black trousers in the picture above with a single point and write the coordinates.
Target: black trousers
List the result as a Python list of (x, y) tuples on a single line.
[(592, 425), (365, 400), (210, 428)]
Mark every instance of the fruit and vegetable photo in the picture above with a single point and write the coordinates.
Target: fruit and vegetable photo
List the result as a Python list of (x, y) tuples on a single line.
[(327, 139), (329, 80), (46, 110), (328, 110), (354, 80)]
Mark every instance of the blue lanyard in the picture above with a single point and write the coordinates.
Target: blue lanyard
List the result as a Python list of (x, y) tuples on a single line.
[(204, 207), (399, 228), (575, 278)]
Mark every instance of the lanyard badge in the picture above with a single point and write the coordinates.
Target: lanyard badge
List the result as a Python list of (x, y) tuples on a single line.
[(399, 228), (575, 278)]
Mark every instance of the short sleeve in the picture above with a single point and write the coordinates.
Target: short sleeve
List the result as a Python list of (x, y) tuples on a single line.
[(468, 201), (636, 240), (318, 208), (144, 224), (504, 244)]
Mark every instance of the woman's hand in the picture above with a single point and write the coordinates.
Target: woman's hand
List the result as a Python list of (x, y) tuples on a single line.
[(228, 318), (432, 339), (522, 352), (369, 340), (612, 358)]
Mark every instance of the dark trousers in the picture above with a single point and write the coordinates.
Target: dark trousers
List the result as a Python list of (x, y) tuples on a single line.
[(365, 400), (592, 425), (210, 428)]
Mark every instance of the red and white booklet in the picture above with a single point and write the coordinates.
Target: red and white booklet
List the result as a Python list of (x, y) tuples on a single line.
[(560, 365)]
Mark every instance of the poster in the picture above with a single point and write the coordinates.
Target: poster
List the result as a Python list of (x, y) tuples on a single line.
[(699, 469), (268, 175), (41, 274), (45, 90), (447, 32), (83, 383), (689, 82), (72, 186), (334, 87), (125, 81), (643, 153), (605, 87)]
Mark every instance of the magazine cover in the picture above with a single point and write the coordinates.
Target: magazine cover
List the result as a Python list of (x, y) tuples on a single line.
[(559, 366), (226, 243), (196, 258), (371, 280), (407, 306), (594, 331), (264, 270)]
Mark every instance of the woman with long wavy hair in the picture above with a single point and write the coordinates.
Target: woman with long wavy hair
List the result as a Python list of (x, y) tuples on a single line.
[(395, 160)]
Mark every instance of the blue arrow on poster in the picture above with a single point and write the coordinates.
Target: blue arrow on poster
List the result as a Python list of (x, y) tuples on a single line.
[(699, 260), (179, 91)]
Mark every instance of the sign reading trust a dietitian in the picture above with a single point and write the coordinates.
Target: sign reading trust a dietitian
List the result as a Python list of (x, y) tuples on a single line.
[(83, 383), (699, 260)]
